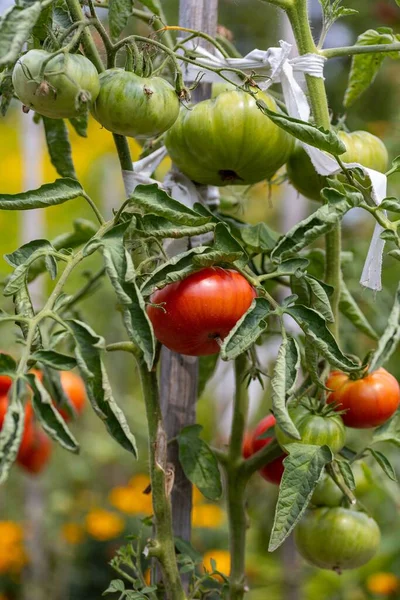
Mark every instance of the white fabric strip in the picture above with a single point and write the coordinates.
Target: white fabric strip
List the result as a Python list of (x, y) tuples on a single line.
[(276, 65)]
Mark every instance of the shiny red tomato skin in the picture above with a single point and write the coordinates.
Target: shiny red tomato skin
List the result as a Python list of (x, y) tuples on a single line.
[(74, 388), (273, 471), (5, 384), (368, 402), (197, 310), (36, 455)]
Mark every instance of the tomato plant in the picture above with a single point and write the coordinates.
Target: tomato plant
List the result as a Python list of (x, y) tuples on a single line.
[(337, 538), (314, 428), (361, 147), (56, 87), (135, 106), (272, 471), (28, 432), (193, 315), (227, 140), (367, 402)]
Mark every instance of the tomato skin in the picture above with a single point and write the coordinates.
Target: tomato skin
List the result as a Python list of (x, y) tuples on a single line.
[(37, 454), (337, 538), (27, 435), (74, 388), (204, 306), (369, 401), (362, 147), (273, 471), (314, 429), (228, 140), (5, 384), (135, 106), (327, 493), (247, 446), (61, 97)]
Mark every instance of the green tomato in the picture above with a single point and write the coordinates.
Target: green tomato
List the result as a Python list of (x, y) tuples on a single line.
[(314, 429), (362, 147), (337, 538), (70, 83), (327, 493), (135, 106), (228, 140)]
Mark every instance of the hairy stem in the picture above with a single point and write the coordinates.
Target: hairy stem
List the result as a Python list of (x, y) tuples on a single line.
[(353, 50), (298, 17), (236, 485)]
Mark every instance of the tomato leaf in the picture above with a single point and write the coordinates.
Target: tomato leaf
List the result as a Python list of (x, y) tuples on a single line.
[(350, 309), (59, 148), (116, 585), (175, 269), (305, 132), (7, 364), (49, 194), (153, 5), (159, 227), (390, 338), (23, 306), (152, 199), (88, 352), (119, 12), (247, 330), (52, 383), (23, 258), (388, 432), (347, 473), (392, 204), (307, 231), (314, 326), (15, 26), (384, 463), (12, 430), (199, 462), (259, 238), (285, 374), (49, 417), (364, 67), (395, 254), (54, 359), (225, 249), (303, 469), (80, 124), (320, 300), (6, 90)]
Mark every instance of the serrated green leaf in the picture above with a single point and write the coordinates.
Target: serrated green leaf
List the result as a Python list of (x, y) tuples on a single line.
[(23, 306), (347, 473), (6, 90), (11, 434), (49, 417), (390, 338), (175, 269), (285, 371), (310, 229), (259, 238), (388, 432), (314, 326), (158, 227), (199, 463), (88, 355), (350, 309), (247, 330), (365, 67), (320, 300), (49, 194), (119, 12), (15, 26), (392, 204), (388, 235), (54, 359), (225, 249), (22, 259), (395, 254), (306, 132), (384, 463), (59, 148), (303, 469), (7, 364), (116, 585), (152, 199), (52, 383)]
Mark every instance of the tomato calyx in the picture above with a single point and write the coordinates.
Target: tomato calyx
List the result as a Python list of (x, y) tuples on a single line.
[(318, 408)]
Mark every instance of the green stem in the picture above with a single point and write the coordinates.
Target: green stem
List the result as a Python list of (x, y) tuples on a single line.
[(161, 502), (298, 17), (236, 485), (353, 50)]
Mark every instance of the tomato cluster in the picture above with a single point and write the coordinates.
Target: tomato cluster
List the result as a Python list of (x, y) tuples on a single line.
[(36, 447)]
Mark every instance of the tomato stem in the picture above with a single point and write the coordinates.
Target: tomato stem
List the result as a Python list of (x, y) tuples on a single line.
[(354, 50)]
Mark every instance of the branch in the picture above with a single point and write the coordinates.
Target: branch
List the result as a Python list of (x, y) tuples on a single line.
[(353, 50)]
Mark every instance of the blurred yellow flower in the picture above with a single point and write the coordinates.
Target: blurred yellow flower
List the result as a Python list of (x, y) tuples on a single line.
[(13, 556), (198, 497), (130, 501), (139, 482), (73, 533), (207, 515), (104, 525), (383, 584), (222, 559)]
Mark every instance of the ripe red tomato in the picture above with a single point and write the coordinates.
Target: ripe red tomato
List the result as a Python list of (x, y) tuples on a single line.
[(27, 435), (198, 310), (74, 388), (369, 401), (5, 384), (37, 454), (273, 471)]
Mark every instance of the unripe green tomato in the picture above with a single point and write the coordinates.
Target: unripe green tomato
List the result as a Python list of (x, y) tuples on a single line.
[(228, 140), (315, 429), (327, 493), (69, 85), (135, 106), (337, 538), (362, 147)]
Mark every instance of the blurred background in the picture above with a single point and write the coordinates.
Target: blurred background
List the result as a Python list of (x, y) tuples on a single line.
[(58, 530)]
